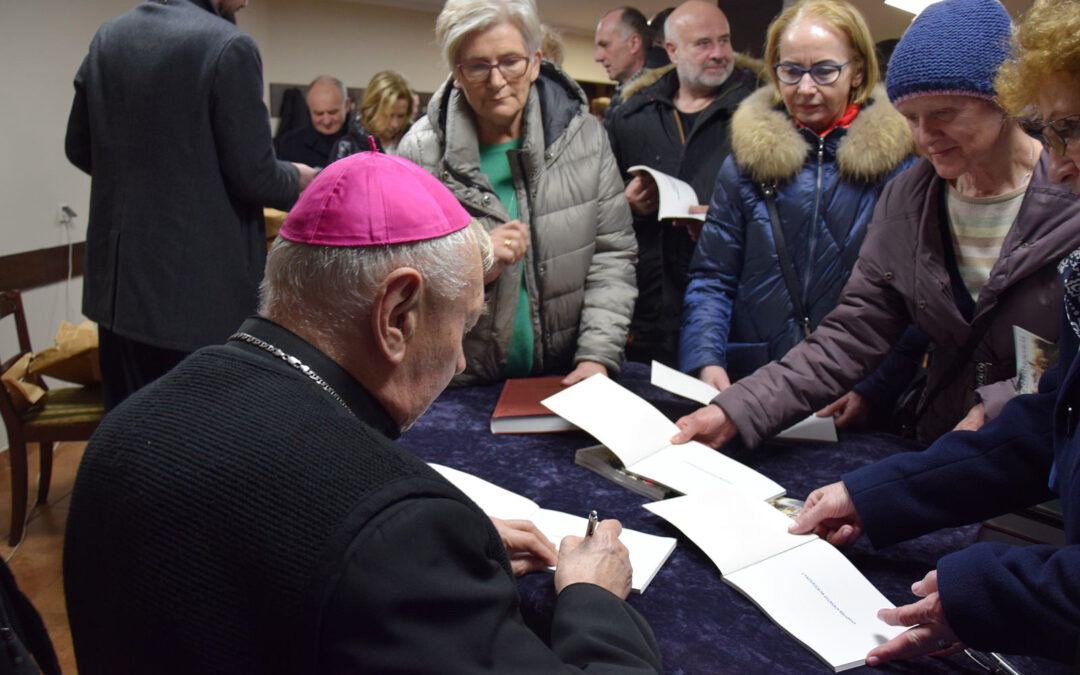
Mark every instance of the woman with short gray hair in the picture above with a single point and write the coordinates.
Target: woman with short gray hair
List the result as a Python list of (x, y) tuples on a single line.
[(511, 136)]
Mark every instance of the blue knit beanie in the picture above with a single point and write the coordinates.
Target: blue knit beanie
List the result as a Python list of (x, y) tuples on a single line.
[(952, 47)]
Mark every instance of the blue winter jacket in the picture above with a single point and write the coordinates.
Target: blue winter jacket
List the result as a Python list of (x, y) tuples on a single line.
[(737, 311)]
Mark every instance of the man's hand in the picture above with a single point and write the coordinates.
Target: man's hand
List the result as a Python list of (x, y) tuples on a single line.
[(708, 425), (642, 194), (529, 550), (508, 244), (930, 632), (600, 559), (583, 370), (830, 514), (850, 409), (693, 225), (306, 174), (975, 418), (715, 376)]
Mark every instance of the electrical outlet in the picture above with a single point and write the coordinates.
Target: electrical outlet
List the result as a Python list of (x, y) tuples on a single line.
[(65, 216)]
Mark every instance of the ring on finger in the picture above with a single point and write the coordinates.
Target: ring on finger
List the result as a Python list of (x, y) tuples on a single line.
[(508, 243)]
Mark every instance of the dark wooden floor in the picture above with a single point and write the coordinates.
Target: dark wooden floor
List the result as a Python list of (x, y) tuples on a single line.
[(36, 562)]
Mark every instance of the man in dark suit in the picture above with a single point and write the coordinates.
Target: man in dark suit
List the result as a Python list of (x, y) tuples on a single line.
[(328, 105), (169, 122)]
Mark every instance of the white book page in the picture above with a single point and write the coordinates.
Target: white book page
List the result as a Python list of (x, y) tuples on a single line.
[(623, 421), (648, 552), (678, 382), (492, 499), (735, 531), (816, 594), (693, 468), (676, 195), (813, 428)]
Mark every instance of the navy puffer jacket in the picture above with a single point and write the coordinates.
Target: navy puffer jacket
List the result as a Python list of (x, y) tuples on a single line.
[(737, 310)]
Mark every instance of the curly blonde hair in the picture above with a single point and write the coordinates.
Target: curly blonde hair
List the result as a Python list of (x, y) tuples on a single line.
[(843, 18), (385, 88), (1046, 41)]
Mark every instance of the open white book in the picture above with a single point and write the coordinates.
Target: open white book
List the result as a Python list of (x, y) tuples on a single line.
[(676, 196), (648, 552), (803, 583), (640, 436), (812, 428)]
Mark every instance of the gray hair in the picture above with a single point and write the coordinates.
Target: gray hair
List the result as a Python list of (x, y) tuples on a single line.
[(334, 81), (459, 18), (322, 288)]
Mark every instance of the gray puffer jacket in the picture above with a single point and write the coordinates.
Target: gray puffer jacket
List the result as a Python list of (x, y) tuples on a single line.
[(579, 268)]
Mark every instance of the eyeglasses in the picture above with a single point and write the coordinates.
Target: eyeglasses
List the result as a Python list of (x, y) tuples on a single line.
[(512, 68), (822, 73), (1056, 134)]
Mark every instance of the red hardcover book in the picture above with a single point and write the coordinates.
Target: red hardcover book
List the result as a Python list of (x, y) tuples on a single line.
[(519, 410)]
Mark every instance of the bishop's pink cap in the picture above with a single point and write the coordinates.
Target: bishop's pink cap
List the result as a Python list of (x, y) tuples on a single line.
[(372, 198)]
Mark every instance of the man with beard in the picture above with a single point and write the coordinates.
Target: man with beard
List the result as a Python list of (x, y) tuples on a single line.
[(168, 120), (677, 125)]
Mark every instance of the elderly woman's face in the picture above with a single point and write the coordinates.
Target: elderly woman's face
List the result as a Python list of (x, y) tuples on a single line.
[(1059, 104), (956, 133), (809, 43), (499, 98)]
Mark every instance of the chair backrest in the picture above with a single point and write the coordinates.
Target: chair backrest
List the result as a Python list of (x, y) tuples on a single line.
[(11, 303)]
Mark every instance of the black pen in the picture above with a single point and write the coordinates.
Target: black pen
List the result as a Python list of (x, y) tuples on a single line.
[(591, 527)]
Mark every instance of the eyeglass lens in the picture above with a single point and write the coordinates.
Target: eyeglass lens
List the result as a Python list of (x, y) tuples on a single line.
[(511, 68), (822, 73)]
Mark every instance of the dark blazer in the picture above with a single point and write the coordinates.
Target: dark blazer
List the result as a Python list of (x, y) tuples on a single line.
[(1018, 600), (169, 121)]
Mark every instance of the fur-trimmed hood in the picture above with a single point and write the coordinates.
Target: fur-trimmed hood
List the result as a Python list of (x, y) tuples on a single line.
[(766, 142), (653, 75)]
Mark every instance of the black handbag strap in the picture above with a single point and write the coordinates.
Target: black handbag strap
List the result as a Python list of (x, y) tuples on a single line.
[(786, 267)]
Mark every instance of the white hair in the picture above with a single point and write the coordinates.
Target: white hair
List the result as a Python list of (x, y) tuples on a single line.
[(459, 18), (323, 288)]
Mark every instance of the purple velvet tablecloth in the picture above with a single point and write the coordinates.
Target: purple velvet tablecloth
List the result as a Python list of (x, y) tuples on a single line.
[(702, 625)]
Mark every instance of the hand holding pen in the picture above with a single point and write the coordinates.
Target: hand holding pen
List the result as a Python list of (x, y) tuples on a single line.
[(597, 558)]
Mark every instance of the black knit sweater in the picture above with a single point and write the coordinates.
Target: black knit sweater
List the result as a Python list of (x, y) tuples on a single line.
[(199, 538)]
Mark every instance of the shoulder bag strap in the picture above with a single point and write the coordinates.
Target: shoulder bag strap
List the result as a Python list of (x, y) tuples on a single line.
[(978, 331), (786, 268)]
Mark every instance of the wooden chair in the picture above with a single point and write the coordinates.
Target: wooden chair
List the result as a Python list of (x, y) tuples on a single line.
[(69, 414)]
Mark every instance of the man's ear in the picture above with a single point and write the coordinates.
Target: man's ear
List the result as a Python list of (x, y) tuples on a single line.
[(672, 51), (636, 43), (395, 313)]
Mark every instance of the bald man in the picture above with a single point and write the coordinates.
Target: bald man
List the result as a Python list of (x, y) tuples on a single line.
[(328, 103), (678, 125)]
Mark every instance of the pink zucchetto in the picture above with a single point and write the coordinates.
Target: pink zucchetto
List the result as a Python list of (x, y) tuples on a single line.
[(370, 199)]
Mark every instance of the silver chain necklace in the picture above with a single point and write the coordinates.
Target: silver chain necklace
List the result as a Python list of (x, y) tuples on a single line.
[(292, 361)]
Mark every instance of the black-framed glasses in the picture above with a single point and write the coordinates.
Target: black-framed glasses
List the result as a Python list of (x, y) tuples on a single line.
[(822, 73), (1056, 134), (512, 68)]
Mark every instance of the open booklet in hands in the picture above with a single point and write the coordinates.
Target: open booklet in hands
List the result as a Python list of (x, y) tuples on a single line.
[(648, 552), (804, 584)]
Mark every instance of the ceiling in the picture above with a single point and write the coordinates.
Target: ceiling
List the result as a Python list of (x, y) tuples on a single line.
[(578, 17)]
